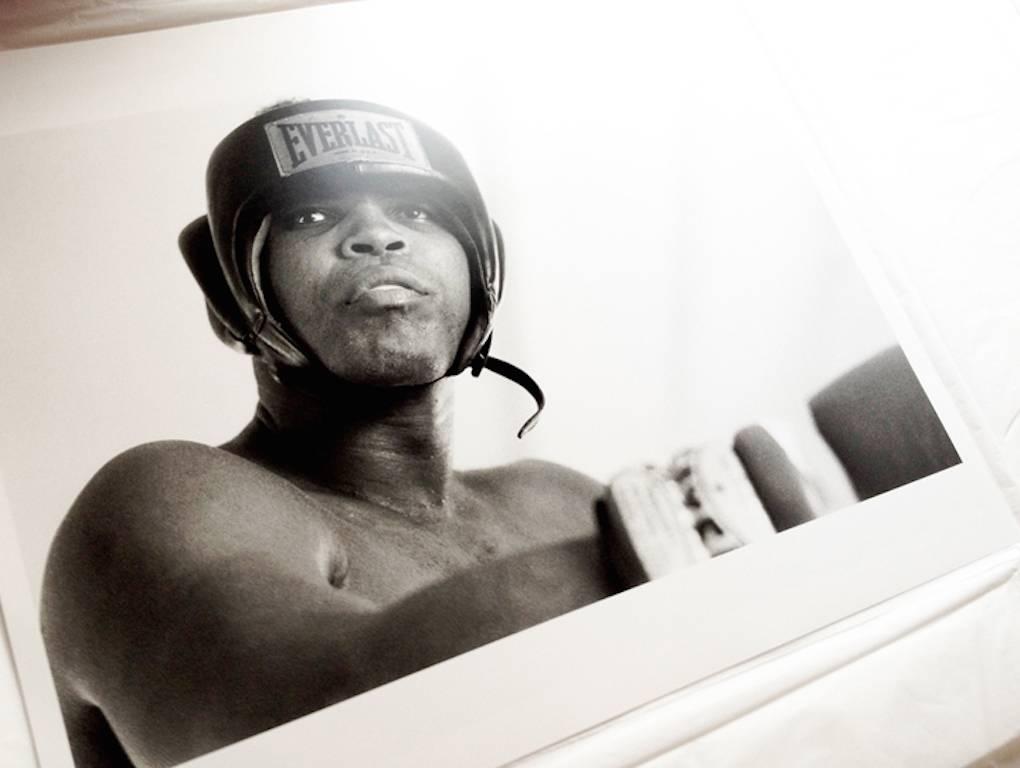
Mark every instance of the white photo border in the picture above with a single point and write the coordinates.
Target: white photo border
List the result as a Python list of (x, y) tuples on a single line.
[(539, 686)]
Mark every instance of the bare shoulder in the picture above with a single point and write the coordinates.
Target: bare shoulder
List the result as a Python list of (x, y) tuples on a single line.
[(548, 475), (143, 488), (172, 494), (172, 559), (551, 491), (149, 523)]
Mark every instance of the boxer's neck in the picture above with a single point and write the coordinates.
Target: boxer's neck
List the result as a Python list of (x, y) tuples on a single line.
[(389, 446)]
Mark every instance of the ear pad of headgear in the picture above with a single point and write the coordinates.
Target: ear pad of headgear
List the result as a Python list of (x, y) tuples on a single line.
[(225, 316)]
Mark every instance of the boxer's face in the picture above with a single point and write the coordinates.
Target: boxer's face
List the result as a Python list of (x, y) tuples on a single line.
[(373, 284)]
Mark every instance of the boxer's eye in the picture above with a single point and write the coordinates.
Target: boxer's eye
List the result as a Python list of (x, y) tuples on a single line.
[(413, 212), (306, 217)]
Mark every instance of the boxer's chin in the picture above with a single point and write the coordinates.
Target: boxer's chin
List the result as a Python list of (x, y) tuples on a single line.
[(403, 373), (392, 367)]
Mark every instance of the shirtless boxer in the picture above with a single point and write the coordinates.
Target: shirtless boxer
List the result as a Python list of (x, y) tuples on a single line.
[(197, 595)]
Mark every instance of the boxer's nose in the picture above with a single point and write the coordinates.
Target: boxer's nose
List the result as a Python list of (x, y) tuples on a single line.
[(370, 233)]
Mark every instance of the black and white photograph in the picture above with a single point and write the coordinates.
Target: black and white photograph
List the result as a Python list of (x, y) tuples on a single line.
[(354, 363)]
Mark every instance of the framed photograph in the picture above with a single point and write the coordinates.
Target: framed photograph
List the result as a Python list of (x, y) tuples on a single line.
[(673, 279)]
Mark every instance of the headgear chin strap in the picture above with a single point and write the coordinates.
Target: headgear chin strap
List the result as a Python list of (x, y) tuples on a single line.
[(333, 145), (517, 376)]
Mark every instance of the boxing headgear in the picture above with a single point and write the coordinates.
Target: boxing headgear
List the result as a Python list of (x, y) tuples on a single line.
[(332, 145)]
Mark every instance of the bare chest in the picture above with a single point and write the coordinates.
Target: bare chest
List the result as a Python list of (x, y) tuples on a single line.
[(388, 556)]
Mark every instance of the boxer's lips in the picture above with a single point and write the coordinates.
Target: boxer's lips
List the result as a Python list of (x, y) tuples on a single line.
[(387, 288)]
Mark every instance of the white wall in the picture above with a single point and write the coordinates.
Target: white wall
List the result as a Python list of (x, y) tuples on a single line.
[(673, 274)]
